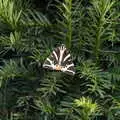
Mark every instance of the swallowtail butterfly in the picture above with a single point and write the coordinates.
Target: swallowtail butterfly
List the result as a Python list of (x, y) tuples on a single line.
[(60, 60)]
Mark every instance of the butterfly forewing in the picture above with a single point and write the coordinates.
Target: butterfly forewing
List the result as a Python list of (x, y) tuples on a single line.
[(52, 60), (49, 62)]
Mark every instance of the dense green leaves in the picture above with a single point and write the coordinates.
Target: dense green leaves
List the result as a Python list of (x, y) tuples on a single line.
[(28, 34), (97, 80)]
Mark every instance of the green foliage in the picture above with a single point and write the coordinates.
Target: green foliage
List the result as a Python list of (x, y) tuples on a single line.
[(78, 109), (10, 14), (96, 79), (88, 108), (11, 70), (51, 85), (34, 18), (90, 30)]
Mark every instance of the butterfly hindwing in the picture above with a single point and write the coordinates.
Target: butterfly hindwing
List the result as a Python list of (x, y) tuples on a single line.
[(61, 57)]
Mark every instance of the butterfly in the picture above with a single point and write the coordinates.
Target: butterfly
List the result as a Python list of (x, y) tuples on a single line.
[(60, 60)]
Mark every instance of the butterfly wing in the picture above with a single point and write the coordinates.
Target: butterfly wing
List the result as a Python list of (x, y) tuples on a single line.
[(68, 63), (52, 60)]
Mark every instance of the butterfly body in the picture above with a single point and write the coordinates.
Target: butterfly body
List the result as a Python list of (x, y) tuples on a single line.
[(60, 60), (58, 67)]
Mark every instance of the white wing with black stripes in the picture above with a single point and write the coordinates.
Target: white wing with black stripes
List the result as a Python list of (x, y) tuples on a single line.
[(60, 60)]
